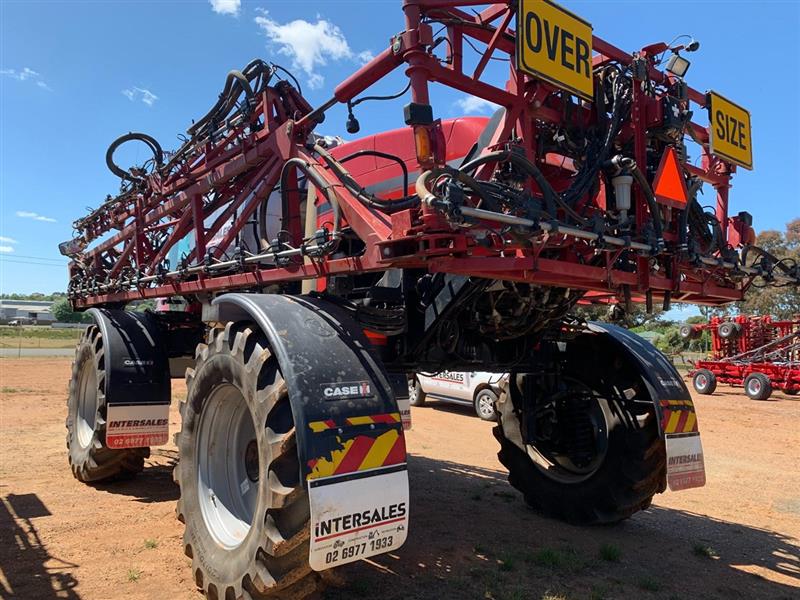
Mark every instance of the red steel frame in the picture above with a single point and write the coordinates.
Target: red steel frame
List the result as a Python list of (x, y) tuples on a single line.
[(242, 170)]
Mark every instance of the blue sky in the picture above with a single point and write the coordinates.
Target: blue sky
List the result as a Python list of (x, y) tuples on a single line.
[(75, 75)]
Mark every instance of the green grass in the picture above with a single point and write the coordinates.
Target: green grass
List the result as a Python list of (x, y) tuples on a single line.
[(38, 337), (704, 550), (548, 557), (134, 575), (11, 390), (649, 584), (610, 553), (150, 544), (507, 562)]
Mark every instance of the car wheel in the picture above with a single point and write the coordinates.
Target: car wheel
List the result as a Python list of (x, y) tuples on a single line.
[(415, 394), (484, 402)]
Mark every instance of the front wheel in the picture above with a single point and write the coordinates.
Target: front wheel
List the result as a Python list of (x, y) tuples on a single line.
[(595, 458), (244, 506)]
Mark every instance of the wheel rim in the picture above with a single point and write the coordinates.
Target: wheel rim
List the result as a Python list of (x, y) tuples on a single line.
[(559, 466), (87, 404), (702, 382), (485, 404), (228, 466), (754, 387)]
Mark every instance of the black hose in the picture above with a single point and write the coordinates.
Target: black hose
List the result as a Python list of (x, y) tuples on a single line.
[(550, 196), (226, 99), (158, 154), (379, 154), (371, 200), (319, 182), (683, 221)]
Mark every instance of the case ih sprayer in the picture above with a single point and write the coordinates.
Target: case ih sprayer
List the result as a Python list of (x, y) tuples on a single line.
[(317, 275), (758, 353)]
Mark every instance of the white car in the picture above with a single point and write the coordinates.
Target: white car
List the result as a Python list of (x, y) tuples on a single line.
[(478, 389)]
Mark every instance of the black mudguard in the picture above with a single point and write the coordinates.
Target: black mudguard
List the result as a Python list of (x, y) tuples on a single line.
[(338, 387), (664, 383), (136, 363)]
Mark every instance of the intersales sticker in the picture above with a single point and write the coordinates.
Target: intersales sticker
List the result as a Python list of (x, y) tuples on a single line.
[(357, 515), (404, 408), (137, 425), (685, 466)]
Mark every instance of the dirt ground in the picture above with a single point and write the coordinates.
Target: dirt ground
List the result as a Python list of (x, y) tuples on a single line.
[(471, 534)]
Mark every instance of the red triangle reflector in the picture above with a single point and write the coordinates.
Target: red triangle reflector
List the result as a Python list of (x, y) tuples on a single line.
[(669, 185)]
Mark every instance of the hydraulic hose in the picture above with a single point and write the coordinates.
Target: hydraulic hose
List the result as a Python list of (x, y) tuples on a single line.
[(320, 182), (227, 99), (155, 148), (550, 196), (371, 200)]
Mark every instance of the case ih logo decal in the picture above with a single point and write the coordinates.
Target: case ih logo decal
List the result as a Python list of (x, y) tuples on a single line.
[(346, 390)]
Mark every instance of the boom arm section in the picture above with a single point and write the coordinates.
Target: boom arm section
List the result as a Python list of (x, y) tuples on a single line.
[(565, 190)]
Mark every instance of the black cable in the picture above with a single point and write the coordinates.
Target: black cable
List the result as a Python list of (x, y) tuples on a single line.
[(391, 97)]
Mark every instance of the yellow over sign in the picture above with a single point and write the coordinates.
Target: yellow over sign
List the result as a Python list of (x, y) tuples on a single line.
[(555, 45), (730, 131)]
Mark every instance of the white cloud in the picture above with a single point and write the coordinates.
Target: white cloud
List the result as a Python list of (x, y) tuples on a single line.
[(25, 214), (226, 7), (136, 93), (474, 105), (309, 45), (365, 56), (6, 249), (26, 74), (7, 240)]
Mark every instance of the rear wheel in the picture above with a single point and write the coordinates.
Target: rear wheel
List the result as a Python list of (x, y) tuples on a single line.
[(89, 457), (595, 458), (757, 386), (484, 402), (244, 506), (704, 382)]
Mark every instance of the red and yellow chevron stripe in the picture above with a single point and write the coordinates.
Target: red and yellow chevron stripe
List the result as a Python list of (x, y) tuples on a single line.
[(361, 453), (319, 426), (678, 416)]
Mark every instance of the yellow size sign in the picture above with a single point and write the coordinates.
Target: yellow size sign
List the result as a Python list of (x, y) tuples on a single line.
[(729, 126), (555, 45)]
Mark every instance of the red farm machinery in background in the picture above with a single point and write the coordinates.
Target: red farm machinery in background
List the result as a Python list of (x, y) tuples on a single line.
[(758, 353), (317, 274)]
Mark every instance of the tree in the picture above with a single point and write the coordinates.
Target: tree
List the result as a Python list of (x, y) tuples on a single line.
[(781, 301), (62, 311), (615, 313)]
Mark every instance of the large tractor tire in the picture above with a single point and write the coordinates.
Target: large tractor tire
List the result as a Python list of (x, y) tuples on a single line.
[(89, 458), (704, 382), (243, 504), (627, 469), (757, 386)]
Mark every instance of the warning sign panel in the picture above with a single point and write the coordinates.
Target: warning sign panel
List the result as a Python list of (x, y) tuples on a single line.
[(729, 135), (685, 466), (555, 45), (357, 515), (669, 186), (137, 425)]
